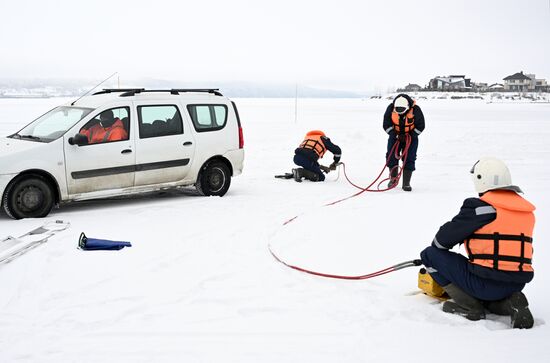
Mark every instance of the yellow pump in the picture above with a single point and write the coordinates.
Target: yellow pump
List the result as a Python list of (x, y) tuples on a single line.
[(429, 286)]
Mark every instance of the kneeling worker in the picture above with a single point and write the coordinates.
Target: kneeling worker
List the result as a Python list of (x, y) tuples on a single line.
[(312, 149), (496, 230)]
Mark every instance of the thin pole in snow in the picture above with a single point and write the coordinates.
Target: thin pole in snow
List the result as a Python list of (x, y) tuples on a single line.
[(296, 104)]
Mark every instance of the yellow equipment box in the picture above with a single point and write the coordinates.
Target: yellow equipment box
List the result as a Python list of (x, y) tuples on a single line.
[(429, 286)]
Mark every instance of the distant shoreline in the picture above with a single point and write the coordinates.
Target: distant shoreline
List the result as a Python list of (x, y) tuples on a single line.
[(419, 95)]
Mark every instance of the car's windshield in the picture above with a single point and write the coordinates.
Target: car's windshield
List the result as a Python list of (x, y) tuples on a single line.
[(52, 124)]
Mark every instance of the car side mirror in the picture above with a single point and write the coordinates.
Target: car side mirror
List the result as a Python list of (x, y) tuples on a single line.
[(78, 139)]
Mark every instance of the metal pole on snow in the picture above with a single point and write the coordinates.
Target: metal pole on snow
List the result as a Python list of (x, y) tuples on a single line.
[(296, 104)]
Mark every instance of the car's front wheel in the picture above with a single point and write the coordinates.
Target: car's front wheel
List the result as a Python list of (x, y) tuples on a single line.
[(28, 197), (214, 179)]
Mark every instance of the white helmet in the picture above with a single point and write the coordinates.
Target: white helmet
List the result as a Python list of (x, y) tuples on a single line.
[(401, 105), (491, 173)]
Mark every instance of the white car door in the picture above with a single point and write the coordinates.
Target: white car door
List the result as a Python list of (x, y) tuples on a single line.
[(164, 144), (213, 131), (107, 162)]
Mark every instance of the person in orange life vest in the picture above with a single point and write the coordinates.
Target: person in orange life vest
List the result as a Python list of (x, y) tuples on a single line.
[(307, 155), (402, 117), (108, 129), (497, 232)]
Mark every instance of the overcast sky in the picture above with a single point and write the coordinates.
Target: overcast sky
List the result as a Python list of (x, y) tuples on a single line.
[(341, 44)]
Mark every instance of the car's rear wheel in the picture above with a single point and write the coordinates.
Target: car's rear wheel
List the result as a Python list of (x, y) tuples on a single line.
[(214, 179), (28, 197)]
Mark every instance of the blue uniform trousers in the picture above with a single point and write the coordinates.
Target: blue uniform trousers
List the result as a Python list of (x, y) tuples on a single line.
[(309, 164), (411, 154), (453, 268)]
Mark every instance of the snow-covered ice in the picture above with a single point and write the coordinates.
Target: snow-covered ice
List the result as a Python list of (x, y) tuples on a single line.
[(199, 284)]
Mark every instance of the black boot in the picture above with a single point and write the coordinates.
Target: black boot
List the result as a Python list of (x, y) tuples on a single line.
[(393, 177), (285, 176), (407, 174), (309, 175), (463, 304), (298, 173), (515, 306)]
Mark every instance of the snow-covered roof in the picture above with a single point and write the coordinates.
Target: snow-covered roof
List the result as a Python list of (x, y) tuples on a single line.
[(451, 79)]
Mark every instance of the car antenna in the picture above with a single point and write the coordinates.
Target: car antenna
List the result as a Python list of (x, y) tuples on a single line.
[(99, 84)]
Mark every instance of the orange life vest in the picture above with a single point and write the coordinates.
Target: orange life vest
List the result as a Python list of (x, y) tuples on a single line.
[(408, 120), (506, 243), (314, 142), (97, 133)]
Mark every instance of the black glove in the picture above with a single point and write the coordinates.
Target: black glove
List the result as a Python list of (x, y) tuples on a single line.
[(333, 166), (325, 169)]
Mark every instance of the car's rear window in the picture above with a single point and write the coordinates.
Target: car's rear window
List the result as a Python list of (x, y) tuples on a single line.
[(208, 117)]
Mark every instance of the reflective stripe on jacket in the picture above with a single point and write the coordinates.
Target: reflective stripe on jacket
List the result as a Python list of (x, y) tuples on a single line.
[(314, 142), (505, 244)]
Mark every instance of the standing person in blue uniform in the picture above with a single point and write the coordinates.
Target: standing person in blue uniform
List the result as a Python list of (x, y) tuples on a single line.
[(307, 155), (402, 117), (497, 232)]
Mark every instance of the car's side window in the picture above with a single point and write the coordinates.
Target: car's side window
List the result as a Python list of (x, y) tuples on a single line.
[(208, 117), (108, 126), (159, 120)]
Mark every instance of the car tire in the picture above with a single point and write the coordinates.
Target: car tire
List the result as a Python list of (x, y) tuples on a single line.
[(214, 179), (28, 197)]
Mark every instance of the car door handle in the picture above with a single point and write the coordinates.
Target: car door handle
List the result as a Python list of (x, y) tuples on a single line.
[(187, 143), (126, 151)]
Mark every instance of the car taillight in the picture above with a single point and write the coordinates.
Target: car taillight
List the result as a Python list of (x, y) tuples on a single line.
[(241, 138)]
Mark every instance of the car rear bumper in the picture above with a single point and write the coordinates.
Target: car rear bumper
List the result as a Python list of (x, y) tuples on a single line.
[(236, 157)]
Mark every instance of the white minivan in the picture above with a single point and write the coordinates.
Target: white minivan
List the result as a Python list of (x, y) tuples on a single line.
[(118, 142)]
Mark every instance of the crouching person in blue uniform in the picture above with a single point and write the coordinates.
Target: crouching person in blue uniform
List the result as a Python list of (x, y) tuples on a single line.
[(307, 155), (496, 230)]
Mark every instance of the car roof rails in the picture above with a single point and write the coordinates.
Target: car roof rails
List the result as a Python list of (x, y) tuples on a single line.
[(215, 91), (174, 91), (112, 90)]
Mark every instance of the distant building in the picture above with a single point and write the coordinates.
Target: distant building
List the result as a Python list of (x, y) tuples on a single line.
[(450, 83), (479, 86), (517, 82), (412, 87), (541, 85), (524, 83), (496, 87)]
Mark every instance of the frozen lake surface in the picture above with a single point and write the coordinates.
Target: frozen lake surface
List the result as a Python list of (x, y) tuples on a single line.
[(199, 284)]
